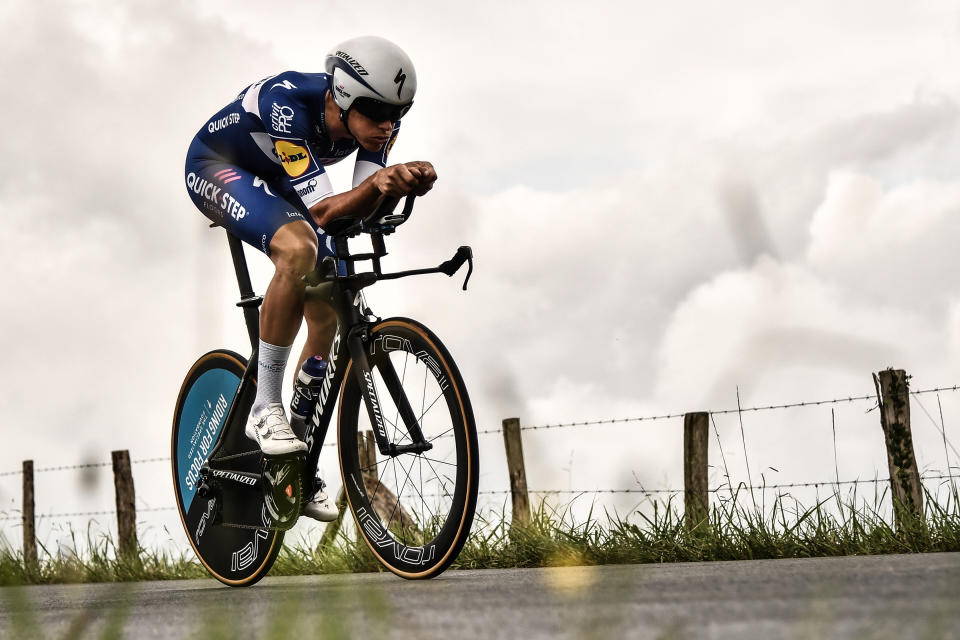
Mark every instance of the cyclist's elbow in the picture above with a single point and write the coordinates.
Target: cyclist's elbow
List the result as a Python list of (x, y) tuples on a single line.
[(322, 212)]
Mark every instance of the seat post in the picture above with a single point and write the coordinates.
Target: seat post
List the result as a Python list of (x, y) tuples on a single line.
[(249, 302)]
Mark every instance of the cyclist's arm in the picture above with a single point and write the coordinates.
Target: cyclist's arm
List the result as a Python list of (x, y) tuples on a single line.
[(372, 180), (398, 180)]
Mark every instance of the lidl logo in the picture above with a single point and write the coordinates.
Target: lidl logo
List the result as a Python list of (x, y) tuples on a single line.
[(295, 159)]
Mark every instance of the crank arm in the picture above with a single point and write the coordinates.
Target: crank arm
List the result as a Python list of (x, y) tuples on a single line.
[(245, 478)]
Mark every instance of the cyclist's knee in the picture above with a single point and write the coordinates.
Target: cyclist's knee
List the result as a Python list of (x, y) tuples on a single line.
[(318, 313), (293, 248)]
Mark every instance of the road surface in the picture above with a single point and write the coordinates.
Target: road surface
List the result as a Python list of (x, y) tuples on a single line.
[(903, 596)]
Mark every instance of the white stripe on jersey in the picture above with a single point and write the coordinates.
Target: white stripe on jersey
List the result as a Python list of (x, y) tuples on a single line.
[(251, 99), (265, 142), (362, 170), (314, 190)]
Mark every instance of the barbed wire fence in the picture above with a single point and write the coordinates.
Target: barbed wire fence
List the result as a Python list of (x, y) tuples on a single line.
[(520, 493)]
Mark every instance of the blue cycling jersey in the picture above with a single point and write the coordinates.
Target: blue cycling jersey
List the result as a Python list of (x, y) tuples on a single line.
[(276, 128), (258, 163)]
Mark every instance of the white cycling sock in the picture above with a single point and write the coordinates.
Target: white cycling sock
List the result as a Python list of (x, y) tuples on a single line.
[(271, 361)]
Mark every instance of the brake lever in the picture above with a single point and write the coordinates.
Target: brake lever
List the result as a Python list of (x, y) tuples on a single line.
[(451, 266)]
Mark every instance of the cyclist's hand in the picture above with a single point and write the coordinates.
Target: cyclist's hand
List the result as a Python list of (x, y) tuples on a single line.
[(426, 176), (397, 180)]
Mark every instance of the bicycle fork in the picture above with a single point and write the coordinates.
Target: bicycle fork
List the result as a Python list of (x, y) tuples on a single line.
[(364, 378)]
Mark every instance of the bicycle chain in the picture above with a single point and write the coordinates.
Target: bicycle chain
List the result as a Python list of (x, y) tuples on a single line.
[(249, 527), (234, 525), (237, 455)]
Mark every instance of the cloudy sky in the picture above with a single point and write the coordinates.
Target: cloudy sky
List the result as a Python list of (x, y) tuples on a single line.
[(666, 201)]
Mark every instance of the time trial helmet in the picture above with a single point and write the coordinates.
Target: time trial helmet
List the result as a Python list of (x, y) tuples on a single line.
[(373, 76)]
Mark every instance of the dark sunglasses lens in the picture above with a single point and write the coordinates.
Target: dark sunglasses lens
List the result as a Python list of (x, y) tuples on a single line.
[(381, 111)]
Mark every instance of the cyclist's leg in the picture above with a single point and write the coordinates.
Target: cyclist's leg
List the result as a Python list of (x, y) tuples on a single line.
[(244, 204), (320, 317)]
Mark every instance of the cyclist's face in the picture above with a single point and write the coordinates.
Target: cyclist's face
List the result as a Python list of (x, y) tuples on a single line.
[(370, 134)]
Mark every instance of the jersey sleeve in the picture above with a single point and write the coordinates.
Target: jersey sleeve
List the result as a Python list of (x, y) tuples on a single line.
[(369, 162), (288, 124)]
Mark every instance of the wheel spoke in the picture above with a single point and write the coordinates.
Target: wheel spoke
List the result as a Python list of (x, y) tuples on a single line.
[(399, 493), (452, 464), (441, 435), (436, 474), (420, 419)]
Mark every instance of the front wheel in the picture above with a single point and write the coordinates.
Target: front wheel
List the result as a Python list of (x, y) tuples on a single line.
[(413, 510)]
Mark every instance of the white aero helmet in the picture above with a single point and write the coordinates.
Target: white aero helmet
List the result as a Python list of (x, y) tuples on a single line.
[(373, 76)]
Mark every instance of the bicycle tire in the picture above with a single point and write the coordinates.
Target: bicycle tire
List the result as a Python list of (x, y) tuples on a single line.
[(237, 557), (400, 542)]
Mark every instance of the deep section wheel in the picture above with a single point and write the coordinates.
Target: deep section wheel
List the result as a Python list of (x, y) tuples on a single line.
[(414, 509)]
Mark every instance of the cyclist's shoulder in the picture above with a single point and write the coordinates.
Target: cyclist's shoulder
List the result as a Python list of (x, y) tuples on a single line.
[(294, 86)]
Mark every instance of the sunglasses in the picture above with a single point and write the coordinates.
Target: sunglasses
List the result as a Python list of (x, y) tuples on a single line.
[(380, 111)]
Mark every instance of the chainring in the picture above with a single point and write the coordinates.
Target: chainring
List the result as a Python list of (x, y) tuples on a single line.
[(283, 490)]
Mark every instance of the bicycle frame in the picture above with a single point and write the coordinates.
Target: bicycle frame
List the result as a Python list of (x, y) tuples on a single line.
[(354, 321)]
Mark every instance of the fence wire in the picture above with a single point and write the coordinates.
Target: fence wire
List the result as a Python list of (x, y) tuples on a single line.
[(671, 416), (721, 488), (85, 514)]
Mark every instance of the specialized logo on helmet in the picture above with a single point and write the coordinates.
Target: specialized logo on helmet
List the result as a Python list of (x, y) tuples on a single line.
[(399, 80), (350, 60), (295, 159)]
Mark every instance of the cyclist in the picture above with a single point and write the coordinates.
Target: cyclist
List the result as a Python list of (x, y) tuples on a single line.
[(257, 169)]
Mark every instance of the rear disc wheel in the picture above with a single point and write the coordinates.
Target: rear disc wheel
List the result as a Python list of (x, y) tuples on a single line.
[(236, 556)]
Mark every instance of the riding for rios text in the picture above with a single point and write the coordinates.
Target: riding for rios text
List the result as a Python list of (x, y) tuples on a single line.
[(213, 425)]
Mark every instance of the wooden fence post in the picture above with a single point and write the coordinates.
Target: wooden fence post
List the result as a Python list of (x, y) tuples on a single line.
[(518, 474), (695, 444), (893, 396), (29, 519), (126, 504)]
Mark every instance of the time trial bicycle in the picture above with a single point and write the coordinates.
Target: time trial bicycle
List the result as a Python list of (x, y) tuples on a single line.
[(412, 496)]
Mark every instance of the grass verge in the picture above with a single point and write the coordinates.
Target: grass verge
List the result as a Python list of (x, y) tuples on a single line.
[(734, 531)]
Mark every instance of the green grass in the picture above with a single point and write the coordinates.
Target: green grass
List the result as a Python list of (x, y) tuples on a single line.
[(737, 530)]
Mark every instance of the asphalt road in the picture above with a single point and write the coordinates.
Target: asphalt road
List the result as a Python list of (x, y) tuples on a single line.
[(906, 596)]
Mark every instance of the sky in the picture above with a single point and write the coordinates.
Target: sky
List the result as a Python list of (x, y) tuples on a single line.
[(669, 204)]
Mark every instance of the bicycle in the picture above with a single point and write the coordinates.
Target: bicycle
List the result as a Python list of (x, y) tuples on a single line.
[(235, 503)]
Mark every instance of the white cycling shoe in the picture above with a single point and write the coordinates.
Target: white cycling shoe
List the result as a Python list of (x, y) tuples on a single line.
[(272, 432), (320, 506)]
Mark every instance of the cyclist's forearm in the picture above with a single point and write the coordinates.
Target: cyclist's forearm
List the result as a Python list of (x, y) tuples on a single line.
[(359, 201)]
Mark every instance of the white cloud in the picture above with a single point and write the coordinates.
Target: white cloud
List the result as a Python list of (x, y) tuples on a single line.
[(587, 156), (896, 245)]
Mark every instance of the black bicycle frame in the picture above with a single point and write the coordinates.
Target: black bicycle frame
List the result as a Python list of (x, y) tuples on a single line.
[(343, 295)]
